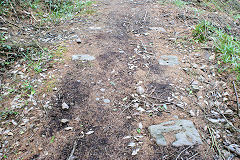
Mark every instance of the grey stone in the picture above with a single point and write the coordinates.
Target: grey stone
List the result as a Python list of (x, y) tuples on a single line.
[(158, 29), (186, 134), (140, 90), (64, 120), (65, 106), (78, 40), (83, 57), (106, 101), (195, 88), (168, 60), (102, 90)]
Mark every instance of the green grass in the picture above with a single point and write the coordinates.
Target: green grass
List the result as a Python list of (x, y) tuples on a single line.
[(178, 3), (230, 7), (45, 10), (227, 45)]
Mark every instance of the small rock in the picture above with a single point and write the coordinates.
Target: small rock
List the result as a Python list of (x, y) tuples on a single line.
[(68, 128), (106, 101), (135, 151), (192, 113), (228, 111), (78, 40), (102, 90), (64, 120), (65, 106), (195, 65), (83, 57), (212, 57), (14, 122), (158, 29), (89, 132), (140, 90), (131, 144), (225, 99), (195, 88), (140, 126), (219, 120), (140, 109), (10, 134), (127, 137), (128, 117)]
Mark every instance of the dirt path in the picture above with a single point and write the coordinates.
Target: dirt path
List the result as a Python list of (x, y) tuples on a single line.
[(126, 38)]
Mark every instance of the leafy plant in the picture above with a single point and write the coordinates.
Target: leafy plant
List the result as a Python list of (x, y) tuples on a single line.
[(227, 45), (7, 113), (203, 31)]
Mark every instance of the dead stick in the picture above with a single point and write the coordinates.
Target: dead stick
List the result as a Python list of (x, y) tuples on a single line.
[(238, 112), (182, 152), (73, 150)]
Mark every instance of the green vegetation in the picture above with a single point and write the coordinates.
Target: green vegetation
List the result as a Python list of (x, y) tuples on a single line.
[(44, 10), (230, 7), (7, 113), (178, 3), (224, 43)]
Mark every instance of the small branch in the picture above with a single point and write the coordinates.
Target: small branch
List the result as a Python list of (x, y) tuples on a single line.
[(232, 150), (235, 90), (182, 152), (236, 129), (73, 150)]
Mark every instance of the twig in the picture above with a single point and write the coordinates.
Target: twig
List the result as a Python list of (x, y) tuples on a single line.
[(214, 142), (73, 150), (232, 150), (193, 156), (238, 112), (182, 152), (236, 129)]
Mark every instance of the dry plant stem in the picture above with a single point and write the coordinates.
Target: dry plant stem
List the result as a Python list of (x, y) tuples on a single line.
[(73, 150), (236, 129), (232, 150), (235, 90), (182, 152), (214, 142)]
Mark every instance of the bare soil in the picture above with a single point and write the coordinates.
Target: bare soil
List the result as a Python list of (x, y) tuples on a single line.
[(127, 53)]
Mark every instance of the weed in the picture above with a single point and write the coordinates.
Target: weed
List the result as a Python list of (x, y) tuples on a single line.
[(203, 31), (227, 45), (178, 3), (52, 139), (7, 113)]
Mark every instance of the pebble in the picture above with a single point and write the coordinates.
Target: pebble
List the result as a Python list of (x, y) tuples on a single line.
[(68, 128), (10, 134), (135, 151), (78, 40), (192, 113), (89, 132), (131, 144), (40, 148), (102, 90), (158, 29), (228, 111), (140, 90), (64, 120), (65, 106), (106, 101)]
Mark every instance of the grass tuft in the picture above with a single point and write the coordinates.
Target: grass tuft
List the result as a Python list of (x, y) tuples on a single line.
[(227, 45)]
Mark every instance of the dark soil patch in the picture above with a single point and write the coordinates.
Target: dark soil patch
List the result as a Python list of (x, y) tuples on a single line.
[(169, 152), (159, 91)]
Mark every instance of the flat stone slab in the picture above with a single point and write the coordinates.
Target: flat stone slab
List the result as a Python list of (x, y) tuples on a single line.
[(183, 131), (158, 29), (168, 60), (83, 57)]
